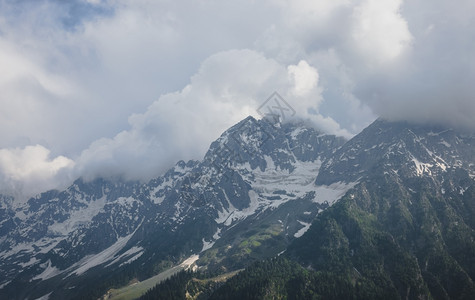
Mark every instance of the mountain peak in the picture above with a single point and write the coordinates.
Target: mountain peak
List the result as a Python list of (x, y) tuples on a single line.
[(258, 188), (422, 148)]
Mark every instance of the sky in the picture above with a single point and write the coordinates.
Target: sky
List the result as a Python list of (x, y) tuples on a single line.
[(124, 89)]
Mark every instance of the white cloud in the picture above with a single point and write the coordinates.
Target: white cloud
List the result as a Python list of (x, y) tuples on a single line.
[(403, 60), (304, 77), (228, 87), (181, 125), (30, 170), (431, 83), (379, 31), (82, 77)]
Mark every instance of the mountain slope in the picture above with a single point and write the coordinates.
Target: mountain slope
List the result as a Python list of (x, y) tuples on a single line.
[(409, 222), (405, 230), (392, 213), (251, 195)]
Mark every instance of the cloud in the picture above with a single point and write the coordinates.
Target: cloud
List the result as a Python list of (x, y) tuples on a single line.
[(228, 87), (378, 30), (82, 77), (95, 64), (304, 77), (432, 82), (403, 60), (30, 170)]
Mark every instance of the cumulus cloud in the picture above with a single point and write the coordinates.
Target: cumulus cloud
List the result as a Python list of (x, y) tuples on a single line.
[(304, 77), (82, 77), (378, 30), (30, 170), (96, 63), (403, 60), (228, 87)]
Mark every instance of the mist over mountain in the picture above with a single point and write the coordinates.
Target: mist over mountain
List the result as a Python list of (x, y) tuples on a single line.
[(98, 88), (237, 149)]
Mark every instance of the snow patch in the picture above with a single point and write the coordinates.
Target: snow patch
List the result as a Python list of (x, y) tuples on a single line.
[(296, 132), (216, 235), (232, 214), (421, 168), (4, 284), (45, 244), (126, 201), (295, 184), (78, 217), (224, 214), (182, 170), (331, 193), (136, 256), (302, 230), (32, 261), (48, 272), (127, 253), (431, 133), (106, 255), (45, 297), (274, 187), (153, 194), (207, 245), (269, 162)]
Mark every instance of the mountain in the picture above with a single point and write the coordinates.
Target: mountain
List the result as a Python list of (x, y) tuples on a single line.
[(304, 215), (405, 231), (252, 194)]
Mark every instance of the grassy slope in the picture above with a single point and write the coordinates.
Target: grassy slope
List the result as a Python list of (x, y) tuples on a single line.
[(136, 290)]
